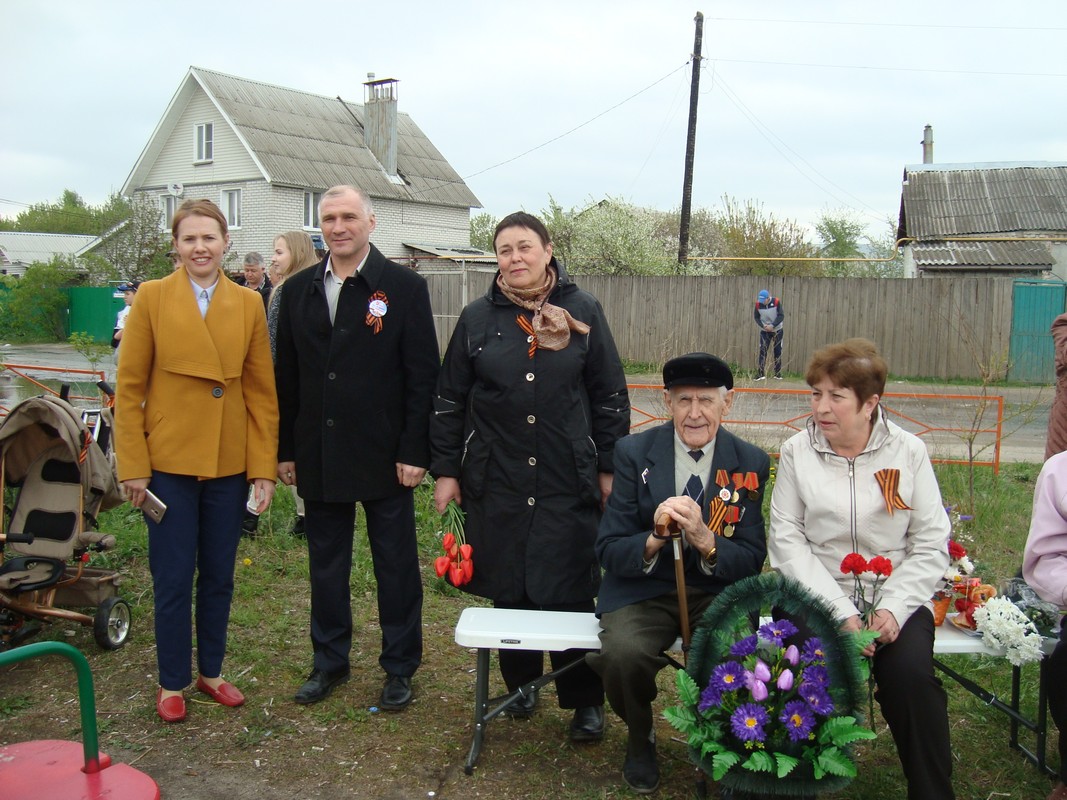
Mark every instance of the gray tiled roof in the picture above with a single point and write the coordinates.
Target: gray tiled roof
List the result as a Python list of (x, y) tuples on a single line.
[(18, 247), (944, 200), (1023, 256), (310, 140)]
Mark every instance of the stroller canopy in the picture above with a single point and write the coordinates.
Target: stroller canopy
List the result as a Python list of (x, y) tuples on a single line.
[(40, 423)]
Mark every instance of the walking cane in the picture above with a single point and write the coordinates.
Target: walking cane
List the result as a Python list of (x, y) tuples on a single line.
[(666, 528)]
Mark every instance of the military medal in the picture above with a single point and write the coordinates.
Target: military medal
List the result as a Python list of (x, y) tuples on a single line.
[(724, 494), (728, 531), (735, 497)]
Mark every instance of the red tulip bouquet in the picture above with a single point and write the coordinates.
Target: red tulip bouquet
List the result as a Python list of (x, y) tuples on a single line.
[(456, 565)]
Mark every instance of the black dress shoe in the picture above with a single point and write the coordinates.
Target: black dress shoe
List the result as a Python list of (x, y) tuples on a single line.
[(396, 694), (640, 771), (588, 724), (319, 685), (298, 527), (521, 707), (250, 525)]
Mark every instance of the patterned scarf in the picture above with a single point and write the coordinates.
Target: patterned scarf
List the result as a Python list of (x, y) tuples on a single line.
[(552, 325)]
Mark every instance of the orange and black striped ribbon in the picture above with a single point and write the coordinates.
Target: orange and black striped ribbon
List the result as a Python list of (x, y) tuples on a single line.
[(528, 328), (373, 322), (889, 481), (716, 514), (87, 439)]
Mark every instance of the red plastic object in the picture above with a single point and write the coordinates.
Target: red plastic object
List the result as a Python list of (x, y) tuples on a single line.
[(51, 769)]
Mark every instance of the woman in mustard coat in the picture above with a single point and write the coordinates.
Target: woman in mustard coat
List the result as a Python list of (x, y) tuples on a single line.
[(196, 421)]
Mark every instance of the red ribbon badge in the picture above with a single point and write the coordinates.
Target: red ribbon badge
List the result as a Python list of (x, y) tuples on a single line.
[(377, 307), (528, 328)]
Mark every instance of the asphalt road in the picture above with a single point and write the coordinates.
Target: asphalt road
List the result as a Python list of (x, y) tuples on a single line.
[(949, 418)]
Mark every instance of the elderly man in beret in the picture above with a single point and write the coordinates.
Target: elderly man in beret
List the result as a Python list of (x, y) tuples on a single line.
[(710, 484)]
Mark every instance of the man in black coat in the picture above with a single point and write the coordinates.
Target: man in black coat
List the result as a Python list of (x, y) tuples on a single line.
[(710, 485), (357, 361)]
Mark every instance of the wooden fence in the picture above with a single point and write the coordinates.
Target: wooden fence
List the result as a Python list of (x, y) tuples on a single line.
[(925, 328)]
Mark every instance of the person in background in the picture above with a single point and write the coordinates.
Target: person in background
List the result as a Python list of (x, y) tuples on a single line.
[(854, 482), (357, 360), (530, 402), (770, 318), (709, 483), (196, 421), (293, 251), (255, 276), (1045, 569), (129, 291)]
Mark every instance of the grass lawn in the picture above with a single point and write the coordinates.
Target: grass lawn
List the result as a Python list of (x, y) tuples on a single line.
[(344, 748)]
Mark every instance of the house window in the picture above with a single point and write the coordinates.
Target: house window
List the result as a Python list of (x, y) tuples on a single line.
[(231, 207), (311, 209), (205, 141), (169, 204)]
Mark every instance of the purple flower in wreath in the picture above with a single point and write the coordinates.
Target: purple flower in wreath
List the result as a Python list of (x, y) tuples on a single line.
[(711, 697), (817, 699), (816, 674), (777, 631), (759, 691), (798, 720), (745, 647), (792, 655), (813, 652), (762, 671), (785, 680), (747, 722), (728, 677)]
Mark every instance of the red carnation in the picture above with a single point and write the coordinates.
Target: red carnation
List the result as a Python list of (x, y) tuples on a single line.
[(880, 565), (853, 563), (955, 550)]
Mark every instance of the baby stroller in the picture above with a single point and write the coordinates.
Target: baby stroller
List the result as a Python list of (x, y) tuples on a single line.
[(58, 460)]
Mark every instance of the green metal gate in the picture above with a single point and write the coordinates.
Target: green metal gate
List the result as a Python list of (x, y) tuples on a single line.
[(1035, 304)]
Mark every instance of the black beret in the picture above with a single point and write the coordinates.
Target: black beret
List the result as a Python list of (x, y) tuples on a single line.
[(697, 369)]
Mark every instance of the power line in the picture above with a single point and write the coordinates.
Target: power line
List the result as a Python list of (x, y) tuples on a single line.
[(890, 24), (899, 69), (578, 127), (773, 139)]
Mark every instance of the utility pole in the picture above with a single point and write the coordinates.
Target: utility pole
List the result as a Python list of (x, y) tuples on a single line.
[(690, 149)]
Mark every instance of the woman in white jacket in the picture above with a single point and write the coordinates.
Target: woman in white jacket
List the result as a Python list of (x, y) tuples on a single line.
[(854, 482)]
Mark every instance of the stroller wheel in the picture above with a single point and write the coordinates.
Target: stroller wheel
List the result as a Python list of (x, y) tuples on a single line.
[(111, 625)]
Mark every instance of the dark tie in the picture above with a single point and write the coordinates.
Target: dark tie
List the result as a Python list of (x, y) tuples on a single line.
[(696, 454), (694, 488)]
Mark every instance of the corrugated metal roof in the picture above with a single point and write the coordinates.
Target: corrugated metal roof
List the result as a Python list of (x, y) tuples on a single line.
[(943, 200), (983, 255), (314, 141), (17, 247)]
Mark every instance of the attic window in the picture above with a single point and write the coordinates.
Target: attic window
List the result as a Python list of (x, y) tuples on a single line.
[(204, 144)]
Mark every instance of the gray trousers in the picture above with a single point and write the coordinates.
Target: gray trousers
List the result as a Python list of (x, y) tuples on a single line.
[(631, 654)]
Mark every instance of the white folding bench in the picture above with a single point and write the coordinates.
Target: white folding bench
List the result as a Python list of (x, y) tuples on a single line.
[(489, 629)]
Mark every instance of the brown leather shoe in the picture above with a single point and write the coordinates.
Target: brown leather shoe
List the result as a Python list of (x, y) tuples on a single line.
[(170, 709), (226, 694)]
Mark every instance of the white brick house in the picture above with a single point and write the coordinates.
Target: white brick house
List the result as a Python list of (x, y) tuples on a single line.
[(265, 154)]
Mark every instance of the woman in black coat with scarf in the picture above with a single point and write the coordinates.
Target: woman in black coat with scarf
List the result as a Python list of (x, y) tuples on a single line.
[(530, 402)]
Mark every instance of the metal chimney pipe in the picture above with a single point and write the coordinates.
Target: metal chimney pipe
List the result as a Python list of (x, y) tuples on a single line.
[(928, 145)]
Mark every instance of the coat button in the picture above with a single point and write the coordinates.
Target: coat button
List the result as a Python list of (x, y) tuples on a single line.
[(329, 423), (530, 501), (332, 376), (529, 338), (531, 419), (529, 376), (533, 461), (216, 392)]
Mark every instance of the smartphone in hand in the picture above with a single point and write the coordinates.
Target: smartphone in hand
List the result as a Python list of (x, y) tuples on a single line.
[(153, 507)]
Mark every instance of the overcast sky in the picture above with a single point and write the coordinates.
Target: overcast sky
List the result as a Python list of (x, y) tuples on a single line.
[(804, 107)]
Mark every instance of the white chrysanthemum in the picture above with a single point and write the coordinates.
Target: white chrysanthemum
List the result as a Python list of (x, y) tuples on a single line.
[(965, 565), (1004, 626), (952, 575)]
